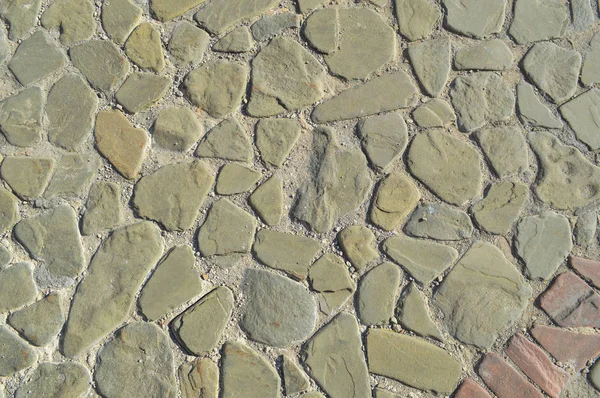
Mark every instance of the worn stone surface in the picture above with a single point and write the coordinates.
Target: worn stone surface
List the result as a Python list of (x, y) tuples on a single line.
[(227, 140), (470, 389), (417, 18), (440, 222), (383, 138), (20, 15), (582, 115), (503, 379), (188, 44), (5, 257), (487, 55), (585, 228), (309, 5), (323, 35), (41, 321), (73, 18), (275, 139), (272, 25), (21, 117), (267, 200), (15, 354), (24, 63), (434, 113), (413, 314), (166, 10), (199, 379), (589, 71), (431, 62), (218, 16), (234, 178), (104, 209), (381, 393), (238, 40), (27, 176), (17, 287), (101, 63), (142, 90), (66, 379), (475, 18), (590, 269), (583, 14), (329, 277), (176, 129), (144, 47), (505, 148), (501, 207), (73, 175), (358, 244), (294, 379), (571, 348), (537, 20), (9, 210), (395, 198), (531, 109), (119, 18)]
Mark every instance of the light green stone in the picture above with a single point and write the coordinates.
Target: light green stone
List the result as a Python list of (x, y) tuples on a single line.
[(275, 139), (531, 109), (434, 113), (25, 63), (413, 314), (384, 138), (40, 322), (238, 40), (505, 148), (188, 44), (165, 10), (294, 379), (119, 18), (17, 287), (228, 141), (234, 178), (176, 129), (20, 15), (377, 294), (272, 25), (101, 63), (440, 222), (9, 210), (267, 200), (27, 176), (21, 117), (217, 16), (73, 175), (486, 55), (74, 19), (394, 200), (431, 62), (501, 207), (358, 244), (144, 47), (329, 277), (417, 18), (142, 90), (66, 379), (15, 354), (103, 208), (475, 18), (199, 379), (321, 33), (582, 115), (536, 20)]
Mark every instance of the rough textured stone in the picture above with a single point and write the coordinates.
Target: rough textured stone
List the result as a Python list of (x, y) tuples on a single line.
[(336, 361), (277, 311), (417, 18), (41, 321), (144, 47), (271, 25), (72, 176), (532, 111), (394, 200), (15, 354), (176, 129), (236, 41), (449, 166), (20, 15), (590, 269), (234, 178), (583, 14), (21, 117), (199, 379), (27, 176), (503, 379), (329, 277), (218, 16), (475, 18), (570, 348), (101, 63), (434, 113), (422, 259), (413, 314), (119, 18), (137, 363), (505, 148), (73, 18), (9, 210), (267, 200), (487, 55), (200, 327), (431, 63), (377, 294), (142, 90), (585, 228), (165, 10), (290, 253), (226, 141), (66, 379), (501, 206), (383, 138), (440, 222), (358, 244), (188, 44), (589, 71), (17, 287), (125, 257), (294, 379), (103, 208), (24, 64), (275, 139), (470, 389), (482, 296), (582, 115), (537, 20), (411, 361)]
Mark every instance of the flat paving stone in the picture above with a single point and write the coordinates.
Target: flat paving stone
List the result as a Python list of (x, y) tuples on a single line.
[(585, 228), (40, 322), (66, 379), (501, 207), (589, 73), (503, 379), (272, 25), (73, 175), (383, 138), (104, 209), (24, 64), (227, 140), (417, 18), (487, 55), (431, 62), (294, 379), (434, 113), (142, 90), (177, 129), (234, 178), (583, 14), (395, 198), (570, 348), (413, 314), (73, 18), (537, 20), (358, 245), (15, 354), (267, 200), (17, 287), (532, 110), (238, 40), (9, 210), (101, 63), (144, 47), (199, 378), (275, 139), (119, 18), (589, 269), (323, 35), (20, 15), (188, 44), (581, 114), (329, 277), (475, 18), (165, 10), (218, 16), (470, 389), (439, 221), (21, 117), (27, 176), (505, 148)]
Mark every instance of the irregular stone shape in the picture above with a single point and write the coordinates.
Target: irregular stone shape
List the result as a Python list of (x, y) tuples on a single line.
[(275, 139), (358, 244), (21, 117), (431, 62), (246, 373), (101, 63), (413, 314), (40, 322), (323, 35), (267, 200), (103, 208), (73, 18), (307, 6), (335, 359), (125, 258), (119, 18), (590, 269), (537, 20), (482, 296), (277, 311), (570, 348), (532, 111), (272, 25), (218, 16), (434, 113), (174, 282), (144, 47), (176, 129), (228, 141), (449, 166), (475, 18), (200, 327), (505, 148), (440, 222), (294, 379), (9, 210), (424, 260), (199, 379), (15, 354), (142, 90), (123, 145), (25, 63), (165, 10), (326, 197), (543, 242), (377, 294), (503, 379), (481, 98), (66, 379), (585, 228), (17, 287), (411, 361), (20, 15), (583, 15), (227, 229), (236, 41), (285, 77), (470, 389), (394, 200), (27, 176), (384, 138), (534, 362), (380, 94), (73, 174), (188, 44), (53, 237), (138, 362), (589, 71), (173, 194), (234, 178), (330, 278), (501, 206), (582, 115), (217, 87), (417, 18), (487, 55)]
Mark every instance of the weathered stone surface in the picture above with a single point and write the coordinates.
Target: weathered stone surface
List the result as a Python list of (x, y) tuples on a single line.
[(583, 14), (475, 18), (422, 259), (570, 348), (272, 25), (123, 145), (200, 327), (470, 389), (380, 94), (234, 178), (199, 379), (413, 314), (285, 77), (144, 47), (417, 18), (236, 41), (275, 139), (590, 269), (217, 87), (228, 141), (568, 180), (227, 229), (394, 200), (165, 10), (377, 294), (434, 113), (431, 62), (294, 379), (119, 18), (267, 200), (589, 71), (440, 222), (537, 20), (503, 379), (72, 176), (218, 16), (482, 296), (585, 228), (5, 257), (277, 311), (98, 307), (384, 138), (449, 166), (142, 90), (27, 176), (543, 242), (73, 18), (21, 117), (327, 197), (137, 363), (582, 115), (501, 206), (381, 393), (335, 359), (15, 354), (246, 373), (17, 287), (487, 55), (20, 15), (411, 361), (40, 322), (531, 109), (176, 129), (330, 278), (307, 6), (481, 98), (358, 244), (66, 379), (320, 32), (25, 63), (188, 44), (101, 63), (505, 148), (103, 208), (9, 210)]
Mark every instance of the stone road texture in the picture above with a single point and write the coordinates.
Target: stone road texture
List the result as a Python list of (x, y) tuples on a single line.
[(311, 198)]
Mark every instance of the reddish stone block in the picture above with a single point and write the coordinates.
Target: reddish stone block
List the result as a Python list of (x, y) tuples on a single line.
[(567, 347), (534, 362), (588, 268), (571, 302), (504, 380), (470, 389)]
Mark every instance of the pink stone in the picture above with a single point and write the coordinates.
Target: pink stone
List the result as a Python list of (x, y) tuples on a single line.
[(470, 389), (568, 347), (588, 268), (504, 380)]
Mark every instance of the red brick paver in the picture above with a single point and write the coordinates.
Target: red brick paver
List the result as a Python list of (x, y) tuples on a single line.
[(470, 389), (504, 380), (567, 347), (588, 268)]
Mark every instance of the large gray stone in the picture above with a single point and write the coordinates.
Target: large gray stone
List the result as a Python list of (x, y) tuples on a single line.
[(103, 208), (20, 15), (17, 287), (101, 63), (73, 175), (272, 25), (537, 20), (583, 14), (275, 139), (531, 109), (73, 18), (238, 40), (176, 129), (119, 18), (142, 90), (228, 141), (217, 16), (358, 244), (267, 200), (165, 10), (27, 176), (582, 115), (294, 379), (188, 44), (199, 379), (501, 206), (505, 148), (417, 18), (475, 18), (26, 65), (234, 178), (487, 55), (384, 138), (431, 62), (144, 47), (21, 117), (440, 222), (329, 277), (41, 321), (395, 198), (15, 354), (589, 71), (377, 294), (413, 314), (65, 379), (434, 113)]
